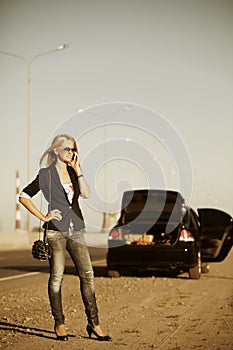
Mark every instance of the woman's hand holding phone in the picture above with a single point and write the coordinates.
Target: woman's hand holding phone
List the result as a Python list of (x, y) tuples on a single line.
[(75, 162), (74, 159)]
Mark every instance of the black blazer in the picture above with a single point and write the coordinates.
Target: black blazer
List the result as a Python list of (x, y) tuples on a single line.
[(49, 183)]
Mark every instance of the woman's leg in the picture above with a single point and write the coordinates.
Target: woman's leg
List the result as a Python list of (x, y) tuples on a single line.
[(57, 244), (79, 253)]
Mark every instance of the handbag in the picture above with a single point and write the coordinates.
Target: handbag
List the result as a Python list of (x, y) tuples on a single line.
[(40, 248)]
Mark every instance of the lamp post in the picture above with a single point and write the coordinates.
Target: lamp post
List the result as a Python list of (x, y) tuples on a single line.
[(29, 63), (105, 216)]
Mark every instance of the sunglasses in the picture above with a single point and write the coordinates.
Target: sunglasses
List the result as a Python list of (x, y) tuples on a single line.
[(67, 149)]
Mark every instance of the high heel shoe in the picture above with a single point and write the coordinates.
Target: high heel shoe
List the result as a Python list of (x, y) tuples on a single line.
[(90, 331), (60, 337)]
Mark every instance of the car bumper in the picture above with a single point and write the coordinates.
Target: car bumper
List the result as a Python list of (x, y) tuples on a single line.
[(183, 255)]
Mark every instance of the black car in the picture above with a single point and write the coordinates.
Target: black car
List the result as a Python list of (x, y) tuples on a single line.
[(157, 231)]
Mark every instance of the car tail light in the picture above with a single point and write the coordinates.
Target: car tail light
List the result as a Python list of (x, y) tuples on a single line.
[(114, 234), (186, 236)]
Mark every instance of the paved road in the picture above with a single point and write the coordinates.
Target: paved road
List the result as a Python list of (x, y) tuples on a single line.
[(19, 267)]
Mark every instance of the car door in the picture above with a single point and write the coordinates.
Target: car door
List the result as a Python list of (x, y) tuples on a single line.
[(216, 234)]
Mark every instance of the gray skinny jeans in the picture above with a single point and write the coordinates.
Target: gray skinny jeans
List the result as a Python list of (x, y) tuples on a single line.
[(74, 243)]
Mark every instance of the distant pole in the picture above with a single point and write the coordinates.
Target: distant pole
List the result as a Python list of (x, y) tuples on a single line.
[(105, 225), (29, 63), (17, 212)]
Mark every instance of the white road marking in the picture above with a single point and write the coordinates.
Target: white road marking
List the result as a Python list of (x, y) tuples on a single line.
[(95, 263), (19, 276)]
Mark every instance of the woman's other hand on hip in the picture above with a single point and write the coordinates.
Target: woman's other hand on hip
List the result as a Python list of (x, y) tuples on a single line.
[(53, 215)]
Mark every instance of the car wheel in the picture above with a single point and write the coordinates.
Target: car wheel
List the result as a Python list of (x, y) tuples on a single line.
[(195, 272), (113, 273), (205, 268)]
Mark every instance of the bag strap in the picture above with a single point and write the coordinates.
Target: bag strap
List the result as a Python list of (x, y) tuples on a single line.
[(50, 199), (49, 208)]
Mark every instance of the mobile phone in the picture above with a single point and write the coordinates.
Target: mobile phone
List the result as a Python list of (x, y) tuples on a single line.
[(73, 156)]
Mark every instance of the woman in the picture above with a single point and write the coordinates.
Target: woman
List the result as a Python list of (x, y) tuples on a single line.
[(61, 183)]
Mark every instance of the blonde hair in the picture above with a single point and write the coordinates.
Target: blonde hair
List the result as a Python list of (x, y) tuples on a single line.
[(56, 143)]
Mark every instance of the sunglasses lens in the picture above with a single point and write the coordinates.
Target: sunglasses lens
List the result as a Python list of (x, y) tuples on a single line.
[(67, 149)]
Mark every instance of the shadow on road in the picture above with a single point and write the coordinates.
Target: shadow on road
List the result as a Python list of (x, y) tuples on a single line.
[(102, 271), (99, 271), (29, 330)]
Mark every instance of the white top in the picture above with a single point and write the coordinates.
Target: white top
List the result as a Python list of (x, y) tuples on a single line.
[(69, 190)]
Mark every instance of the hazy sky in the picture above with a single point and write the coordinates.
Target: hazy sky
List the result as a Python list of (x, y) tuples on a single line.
[(174, 57)]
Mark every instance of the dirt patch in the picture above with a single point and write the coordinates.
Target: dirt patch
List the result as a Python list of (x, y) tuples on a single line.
[(143, 313)]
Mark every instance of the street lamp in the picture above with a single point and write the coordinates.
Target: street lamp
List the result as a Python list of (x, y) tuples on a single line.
[(29, 63)]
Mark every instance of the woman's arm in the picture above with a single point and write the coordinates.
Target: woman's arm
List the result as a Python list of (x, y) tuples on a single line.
[(84, 187), (27, 203)]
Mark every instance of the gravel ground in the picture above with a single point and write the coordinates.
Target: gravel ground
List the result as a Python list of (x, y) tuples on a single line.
[(143, 313)]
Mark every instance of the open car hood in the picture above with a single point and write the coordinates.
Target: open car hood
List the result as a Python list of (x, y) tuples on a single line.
[(150, 206)]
